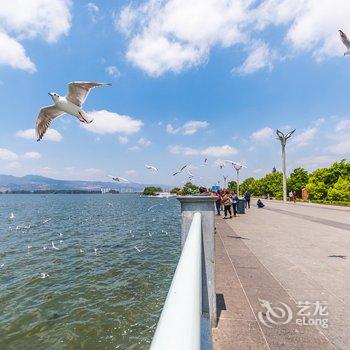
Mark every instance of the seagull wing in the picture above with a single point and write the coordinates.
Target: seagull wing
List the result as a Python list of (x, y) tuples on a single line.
[(79, 90), (344, 38), (183, 168), (45, 117), (176, 173)]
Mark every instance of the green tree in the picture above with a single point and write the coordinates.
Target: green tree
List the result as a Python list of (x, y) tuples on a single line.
[(298, 180), (271, 184), (232, 185), (190, 188), (340, 191), (175, 190), (248, 184), (151, 190)]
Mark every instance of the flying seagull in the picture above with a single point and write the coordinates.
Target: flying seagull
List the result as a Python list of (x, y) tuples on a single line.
[(118, 178), (345, 41), (151, 167), (181, 170), (71, 104)]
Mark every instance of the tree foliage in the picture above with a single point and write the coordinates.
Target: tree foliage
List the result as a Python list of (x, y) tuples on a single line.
[(151, 190), (190, 188), (328, 184)]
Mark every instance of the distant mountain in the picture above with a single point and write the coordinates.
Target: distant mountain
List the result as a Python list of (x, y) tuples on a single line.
[(36, 183)]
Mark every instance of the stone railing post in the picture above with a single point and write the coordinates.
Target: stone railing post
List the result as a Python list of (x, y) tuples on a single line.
[(204, 205)]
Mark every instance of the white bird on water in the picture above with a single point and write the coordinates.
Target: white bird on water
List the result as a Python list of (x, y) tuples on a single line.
[(71, 104), (44, 275), (118, 178), (139, 250), (12, 216), (344, 38), (151, 167), (53, 246)]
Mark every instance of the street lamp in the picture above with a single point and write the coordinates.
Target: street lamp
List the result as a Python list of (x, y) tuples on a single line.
[(283, 138), (225, 180), (237, 167)]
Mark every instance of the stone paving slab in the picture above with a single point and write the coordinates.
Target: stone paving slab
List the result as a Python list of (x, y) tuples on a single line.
[(242, 280), (302, 255)]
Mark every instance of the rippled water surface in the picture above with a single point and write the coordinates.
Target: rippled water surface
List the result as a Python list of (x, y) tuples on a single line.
[(98, 290)]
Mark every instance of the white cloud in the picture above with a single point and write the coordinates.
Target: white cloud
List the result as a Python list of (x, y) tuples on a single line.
[(260, 57), (315, 161), (13, 54), (50, 135), (177, 34), (105, 122), (13, 165), (262, 134), (344, 124), (19, 20), (123, 140), (93, 11), (173, 35), (305, 137), (144, 142), (113, 71), (342, 147), (131, 172), (31, 155), (134, 148), (214, 151), (189, 128), (6, 154)]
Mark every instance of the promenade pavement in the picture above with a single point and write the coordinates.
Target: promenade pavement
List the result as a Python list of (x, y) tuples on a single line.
[(295, 254)]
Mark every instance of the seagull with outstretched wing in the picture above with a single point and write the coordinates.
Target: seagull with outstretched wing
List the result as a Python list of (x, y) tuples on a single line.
[(181, 170), (151, 167), (118, 178), (71, 104), (344, 38)]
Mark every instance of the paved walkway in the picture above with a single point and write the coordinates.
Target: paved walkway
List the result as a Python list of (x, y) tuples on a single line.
[(284, 253)]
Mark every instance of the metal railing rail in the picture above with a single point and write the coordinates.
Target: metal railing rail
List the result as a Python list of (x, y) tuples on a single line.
[(179, 326)]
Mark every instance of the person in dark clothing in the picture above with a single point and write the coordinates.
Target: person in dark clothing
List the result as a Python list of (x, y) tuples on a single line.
[(260, 204), (226, 201), (218, 202), (234, 199), (247, 196)]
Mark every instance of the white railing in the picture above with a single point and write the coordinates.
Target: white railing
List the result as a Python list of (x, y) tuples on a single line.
[(179, 326)]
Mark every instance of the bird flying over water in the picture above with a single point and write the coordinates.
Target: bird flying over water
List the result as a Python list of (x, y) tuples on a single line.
[(71, 104), (118, 178), (151, 167), (344, 38)]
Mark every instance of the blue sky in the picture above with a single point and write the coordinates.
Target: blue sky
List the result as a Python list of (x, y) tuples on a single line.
[(190, 80)]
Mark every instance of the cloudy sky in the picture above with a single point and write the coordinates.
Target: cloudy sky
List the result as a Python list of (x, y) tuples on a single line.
[(192, 79)]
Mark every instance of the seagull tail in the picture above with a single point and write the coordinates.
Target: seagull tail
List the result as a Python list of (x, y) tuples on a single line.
[(84, 117)]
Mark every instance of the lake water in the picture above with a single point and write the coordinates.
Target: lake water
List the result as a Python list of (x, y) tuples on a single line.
[(98, 290)]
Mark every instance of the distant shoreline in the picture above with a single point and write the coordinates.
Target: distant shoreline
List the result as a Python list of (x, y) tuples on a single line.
[(65, 192)]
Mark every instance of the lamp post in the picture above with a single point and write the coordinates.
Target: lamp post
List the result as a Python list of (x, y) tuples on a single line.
[(225, 181), (283, 139), (238, 167)]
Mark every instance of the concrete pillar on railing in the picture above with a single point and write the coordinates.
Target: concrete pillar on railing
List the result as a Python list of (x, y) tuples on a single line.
[(204, 205)]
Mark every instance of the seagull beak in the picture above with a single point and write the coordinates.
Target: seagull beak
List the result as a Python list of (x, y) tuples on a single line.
[(50, 94)]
